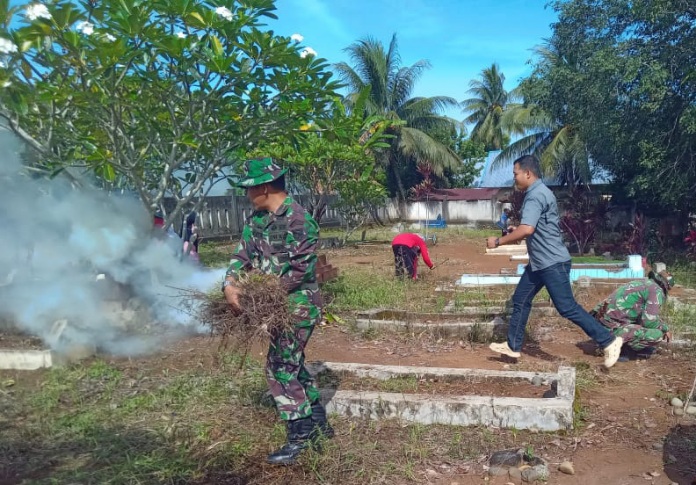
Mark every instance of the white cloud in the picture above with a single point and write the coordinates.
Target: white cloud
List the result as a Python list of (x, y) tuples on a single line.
[(320, 11), (109, 37), (37, 11), (224, 12), (297, 37), (181, 35)]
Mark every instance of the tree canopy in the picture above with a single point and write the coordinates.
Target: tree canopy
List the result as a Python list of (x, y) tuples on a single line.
[(155, 96)]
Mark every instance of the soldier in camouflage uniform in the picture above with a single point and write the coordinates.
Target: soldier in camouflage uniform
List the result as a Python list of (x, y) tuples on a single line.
[(280, 238), (632, 312)]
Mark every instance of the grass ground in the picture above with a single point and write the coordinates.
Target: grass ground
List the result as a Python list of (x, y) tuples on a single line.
[(148, 421)]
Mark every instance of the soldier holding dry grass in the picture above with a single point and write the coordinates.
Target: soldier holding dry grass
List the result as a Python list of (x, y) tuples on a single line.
[(280, 238)]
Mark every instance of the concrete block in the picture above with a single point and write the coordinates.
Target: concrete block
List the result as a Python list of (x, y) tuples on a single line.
[(550, 414), (25, 359), (459, 323)]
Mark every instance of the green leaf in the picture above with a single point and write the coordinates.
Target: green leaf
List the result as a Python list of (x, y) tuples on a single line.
[(196, 20), (217, 46)]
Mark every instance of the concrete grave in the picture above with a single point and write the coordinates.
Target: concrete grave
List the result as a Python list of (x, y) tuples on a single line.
[(543, 414)]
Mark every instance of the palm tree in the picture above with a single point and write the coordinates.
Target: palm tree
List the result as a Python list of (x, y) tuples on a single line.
[(561, 151), (486, 107), (391, 86)]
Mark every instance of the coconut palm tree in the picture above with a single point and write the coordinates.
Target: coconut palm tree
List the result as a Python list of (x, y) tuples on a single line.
[(559, 147), (391, 86), (486, 107)]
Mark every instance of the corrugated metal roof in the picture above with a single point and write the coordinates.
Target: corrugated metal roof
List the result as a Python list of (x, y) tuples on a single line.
[(462, 194)]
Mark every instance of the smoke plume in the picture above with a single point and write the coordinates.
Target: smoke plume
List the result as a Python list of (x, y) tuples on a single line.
[(82, 267)]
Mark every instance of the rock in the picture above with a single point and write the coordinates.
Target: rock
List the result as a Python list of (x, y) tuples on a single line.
[(550, 394), (506, 458), (497, 471), (659, 267), (691, 410), (658, 446), (432, 473), (678, 411), (567, 468), (515, 473), (537, 472), (676, 402), (584, 282), (537, 381), (654, 474)]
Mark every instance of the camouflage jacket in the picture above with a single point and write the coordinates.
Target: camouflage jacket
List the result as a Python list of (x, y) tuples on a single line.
[(636, 303), (282, 243)]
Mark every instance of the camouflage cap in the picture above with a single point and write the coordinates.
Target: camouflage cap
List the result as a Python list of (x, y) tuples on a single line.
[(260, 171), (664, 279)]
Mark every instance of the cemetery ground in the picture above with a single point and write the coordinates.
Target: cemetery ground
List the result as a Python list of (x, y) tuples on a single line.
[(188, 415)]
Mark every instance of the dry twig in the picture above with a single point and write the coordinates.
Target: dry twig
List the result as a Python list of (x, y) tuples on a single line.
[(263, 312)]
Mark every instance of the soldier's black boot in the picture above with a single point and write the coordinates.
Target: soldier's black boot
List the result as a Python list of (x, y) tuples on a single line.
[(299, 438), (322, 428)]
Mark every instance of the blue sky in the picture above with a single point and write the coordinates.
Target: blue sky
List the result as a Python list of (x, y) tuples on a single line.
[(459, 37)]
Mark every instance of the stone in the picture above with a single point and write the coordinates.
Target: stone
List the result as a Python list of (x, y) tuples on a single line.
[(584, 282), (537, 472), (515, 473), (659, 267), (537, 381), (506, 458), (678, 411), (550, 394), (567, 468), (691, 410), (676, 402), (658, 446), (497, 471)]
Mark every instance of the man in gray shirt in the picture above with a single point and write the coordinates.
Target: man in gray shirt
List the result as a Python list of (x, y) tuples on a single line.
[(549, 266)]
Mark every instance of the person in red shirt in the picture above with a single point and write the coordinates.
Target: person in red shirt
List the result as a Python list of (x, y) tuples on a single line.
[(407, 246)]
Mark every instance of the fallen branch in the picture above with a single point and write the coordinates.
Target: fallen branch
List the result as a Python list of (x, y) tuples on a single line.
[(263, 312)]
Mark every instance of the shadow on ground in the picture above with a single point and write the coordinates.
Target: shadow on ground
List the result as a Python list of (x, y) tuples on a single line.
[(116, 455), (680, 454)]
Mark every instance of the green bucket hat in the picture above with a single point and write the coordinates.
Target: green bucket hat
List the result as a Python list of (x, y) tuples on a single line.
[(260, 171)]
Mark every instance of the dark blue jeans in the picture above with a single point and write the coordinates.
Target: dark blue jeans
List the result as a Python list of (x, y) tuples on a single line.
[(556, 279)]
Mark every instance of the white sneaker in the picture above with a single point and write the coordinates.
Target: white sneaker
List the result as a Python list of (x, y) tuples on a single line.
[(612, 352), (503, 348)]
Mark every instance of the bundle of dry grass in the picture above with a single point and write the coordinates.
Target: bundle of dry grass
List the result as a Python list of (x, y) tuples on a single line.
[(263, 312)]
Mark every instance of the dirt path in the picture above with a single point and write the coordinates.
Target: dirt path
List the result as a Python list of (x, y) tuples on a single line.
[(628, 416)]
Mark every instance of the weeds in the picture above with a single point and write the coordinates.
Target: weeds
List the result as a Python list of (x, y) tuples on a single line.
[(215, 255), (680, 318)]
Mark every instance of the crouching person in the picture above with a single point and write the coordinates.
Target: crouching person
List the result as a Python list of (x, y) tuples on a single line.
[(280, 238), (406, 247), (632, 313)]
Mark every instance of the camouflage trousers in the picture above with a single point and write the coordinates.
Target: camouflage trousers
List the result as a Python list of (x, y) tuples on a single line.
[(290, 383), (638, 337)]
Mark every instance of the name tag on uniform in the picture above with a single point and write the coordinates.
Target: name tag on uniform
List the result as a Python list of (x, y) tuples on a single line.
[(277, 232)]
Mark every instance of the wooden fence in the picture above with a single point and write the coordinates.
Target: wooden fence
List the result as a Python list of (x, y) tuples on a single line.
[(223, 217)]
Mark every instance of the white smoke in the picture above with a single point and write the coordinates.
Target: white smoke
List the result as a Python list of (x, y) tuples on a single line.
[(56, 241)]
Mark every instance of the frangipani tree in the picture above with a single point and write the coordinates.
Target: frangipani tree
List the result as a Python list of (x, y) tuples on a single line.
[(156, 96), (336, 156)]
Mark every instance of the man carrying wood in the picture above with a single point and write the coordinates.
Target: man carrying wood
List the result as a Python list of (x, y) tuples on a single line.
[(549, 266), (632, 313), (280, 238)]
